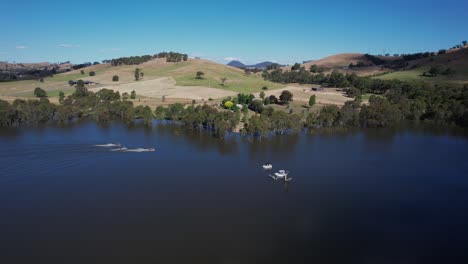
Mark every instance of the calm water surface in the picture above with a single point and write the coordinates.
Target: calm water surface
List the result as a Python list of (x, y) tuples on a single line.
[(366, 197)]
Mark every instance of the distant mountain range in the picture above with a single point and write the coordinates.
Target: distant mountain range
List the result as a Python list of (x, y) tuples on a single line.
[(240, 65)]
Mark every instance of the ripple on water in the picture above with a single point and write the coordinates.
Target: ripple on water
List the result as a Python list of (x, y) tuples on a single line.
[(37, 159)]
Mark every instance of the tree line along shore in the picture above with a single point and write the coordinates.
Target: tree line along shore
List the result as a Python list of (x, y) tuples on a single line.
[(393, 102)]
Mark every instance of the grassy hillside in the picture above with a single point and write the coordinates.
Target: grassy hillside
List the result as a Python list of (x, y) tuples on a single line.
[(342, 61), (456, 60), (183, 73)]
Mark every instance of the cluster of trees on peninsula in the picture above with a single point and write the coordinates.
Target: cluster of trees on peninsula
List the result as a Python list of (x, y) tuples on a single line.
[(135, 60)]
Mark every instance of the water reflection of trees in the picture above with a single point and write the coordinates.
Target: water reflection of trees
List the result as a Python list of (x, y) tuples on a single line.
[(201, 139), (280, 146)]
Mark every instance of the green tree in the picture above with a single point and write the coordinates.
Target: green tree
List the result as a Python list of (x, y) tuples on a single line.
[(92, 73), (82, 72), (314, 68), (257, 125), (328, 116), (311, 120), (160, 113), (256, 106), (108, 95), (200, 75), (71, 82), (273, 99), (133, 95), (296, 67), (349, 114), (80, 89), (312, 100), (61, 96), (145, 113), (379, 113), (125, 96), (38, 92), (223, 81), (115, 78), (435, 70), (137, 74), (286, 97)]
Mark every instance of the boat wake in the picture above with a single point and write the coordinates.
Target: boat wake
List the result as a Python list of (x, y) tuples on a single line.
[(137, 150), (110, 145)]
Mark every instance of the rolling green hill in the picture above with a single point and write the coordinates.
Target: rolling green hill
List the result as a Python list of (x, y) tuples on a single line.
[(456, 60), (184, 73)]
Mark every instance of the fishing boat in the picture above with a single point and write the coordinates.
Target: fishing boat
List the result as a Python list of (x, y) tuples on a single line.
[(282, 174)]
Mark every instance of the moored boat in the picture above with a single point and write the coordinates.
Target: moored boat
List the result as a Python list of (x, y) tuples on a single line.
[(267, 166)]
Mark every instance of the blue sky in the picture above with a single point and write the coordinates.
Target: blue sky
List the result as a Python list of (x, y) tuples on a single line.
[(252, 31)]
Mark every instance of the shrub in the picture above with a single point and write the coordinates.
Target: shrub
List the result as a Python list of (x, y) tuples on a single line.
[(91, 73), (312, 100), (228, 104), (115, 78)]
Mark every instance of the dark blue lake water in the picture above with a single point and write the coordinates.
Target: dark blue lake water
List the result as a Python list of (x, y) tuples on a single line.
[(365, 197)]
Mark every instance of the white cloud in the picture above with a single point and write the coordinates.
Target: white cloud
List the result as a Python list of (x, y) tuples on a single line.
[(231, 59), (21, 47), (68, 46)]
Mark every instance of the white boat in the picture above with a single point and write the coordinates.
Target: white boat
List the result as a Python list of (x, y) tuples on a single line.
[(110, 145), (267, 166), (282, 174)]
